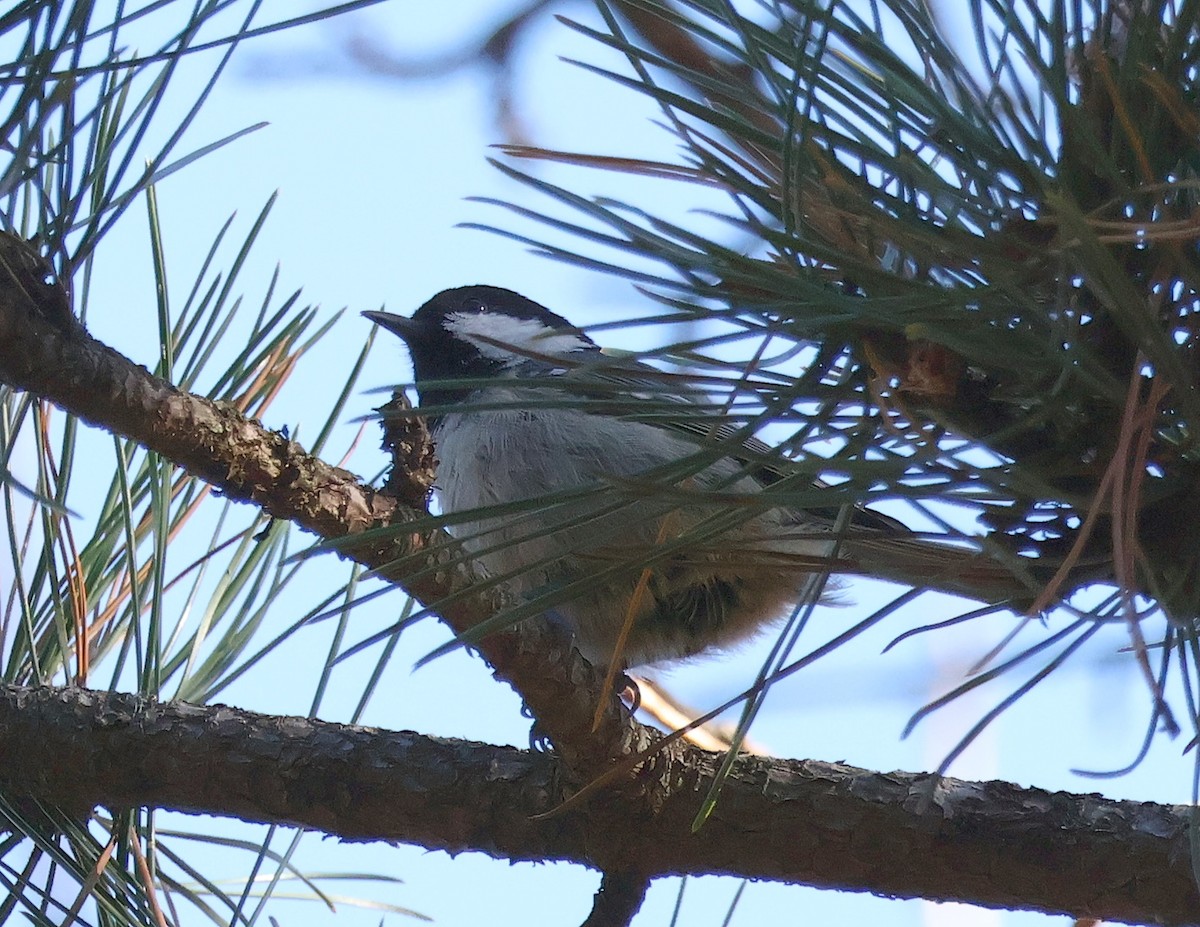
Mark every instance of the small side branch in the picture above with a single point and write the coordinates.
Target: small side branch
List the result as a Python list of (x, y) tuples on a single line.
[(45, 351)]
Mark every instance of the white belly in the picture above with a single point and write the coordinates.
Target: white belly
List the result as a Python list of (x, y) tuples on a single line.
[(584, 555)]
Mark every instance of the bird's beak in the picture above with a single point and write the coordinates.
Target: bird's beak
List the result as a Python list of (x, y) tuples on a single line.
[(408, 329)]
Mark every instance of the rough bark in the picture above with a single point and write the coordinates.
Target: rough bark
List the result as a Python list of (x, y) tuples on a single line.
[(824, 824)]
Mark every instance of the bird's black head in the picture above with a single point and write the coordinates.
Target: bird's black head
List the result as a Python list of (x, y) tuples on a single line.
[(479, 332)]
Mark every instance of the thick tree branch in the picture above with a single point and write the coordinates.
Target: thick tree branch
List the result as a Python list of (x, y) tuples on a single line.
[(823, 824)]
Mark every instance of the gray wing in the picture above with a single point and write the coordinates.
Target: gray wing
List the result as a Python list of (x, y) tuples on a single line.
[(685, 405)]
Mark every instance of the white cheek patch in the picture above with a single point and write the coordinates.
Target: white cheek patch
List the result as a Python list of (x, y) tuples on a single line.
[(527, 335)]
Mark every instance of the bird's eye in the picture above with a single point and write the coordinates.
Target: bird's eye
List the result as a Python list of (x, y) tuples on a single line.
[(475, 305)]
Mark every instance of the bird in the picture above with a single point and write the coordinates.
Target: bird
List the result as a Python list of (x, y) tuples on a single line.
[(583, 486)]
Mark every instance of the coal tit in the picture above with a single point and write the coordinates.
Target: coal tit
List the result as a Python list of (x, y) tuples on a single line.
[(621, 516)]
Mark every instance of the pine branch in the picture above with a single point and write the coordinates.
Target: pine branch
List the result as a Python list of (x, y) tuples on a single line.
[(805, 822), (826, 825), (45, 351), (993, 233)]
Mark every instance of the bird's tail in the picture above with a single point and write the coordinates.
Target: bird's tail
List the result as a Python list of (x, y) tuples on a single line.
[(945, 567)]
